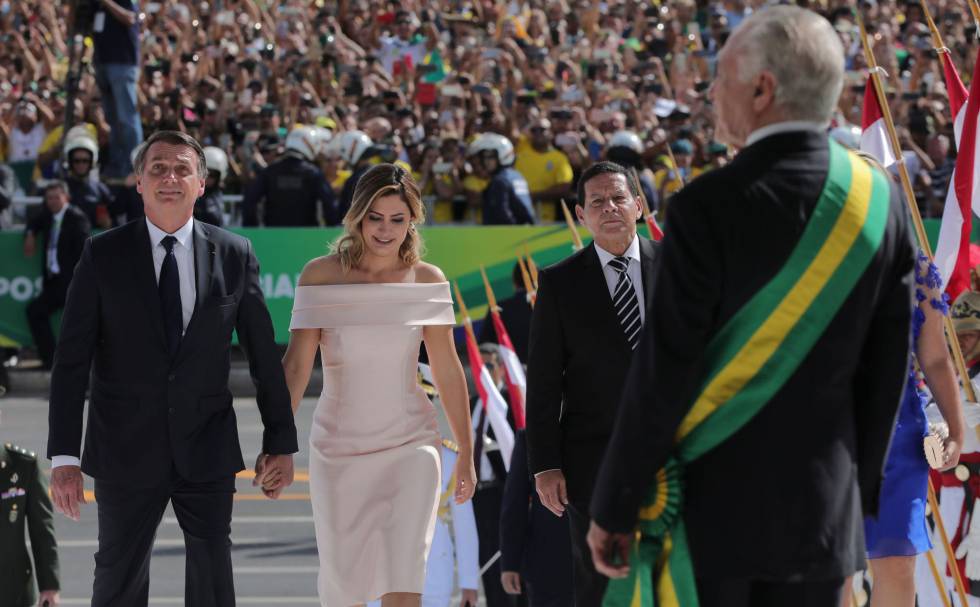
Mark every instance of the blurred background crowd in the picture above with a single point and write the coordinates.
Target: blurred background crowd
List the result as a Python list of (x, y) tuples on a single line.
[(564, 82)]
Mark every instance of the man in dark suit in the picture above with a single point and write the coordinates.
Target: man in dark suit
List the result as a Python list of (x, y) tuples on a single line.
[(535, 550), (773, 514), (63, 229), (515, 312), (586, 323), (153, 306)]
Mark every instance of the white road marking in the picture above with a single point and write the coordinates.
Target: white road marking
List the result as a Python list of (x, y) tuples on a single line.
[(276, 570)]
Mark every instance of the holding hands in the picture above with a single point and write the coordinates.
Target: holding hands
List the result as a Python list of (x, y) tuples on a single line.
[(273, 473)]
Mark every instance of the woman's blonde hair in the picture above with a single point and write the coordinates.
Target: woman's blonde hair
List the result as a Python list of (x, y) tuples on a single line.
[(381, 180)]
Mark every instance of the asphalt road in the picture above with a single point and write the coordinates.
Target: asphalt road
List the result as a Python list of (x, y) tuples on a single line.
[(274, 549)]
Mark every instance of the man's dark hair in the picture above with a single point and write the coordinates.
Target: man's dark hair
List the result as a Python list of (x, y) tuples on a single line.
[(54, 184), (603, 168), (173, 138)]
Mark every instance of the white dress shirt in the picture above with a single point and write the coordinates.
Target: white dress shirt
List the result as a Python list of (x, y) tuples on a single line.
[(634, 270), (52, 249), (784, 127), (184, 252)]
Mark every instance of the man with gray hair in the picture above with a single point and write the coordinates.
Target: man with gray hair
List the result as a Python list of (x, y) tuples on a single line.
[(764, 390)]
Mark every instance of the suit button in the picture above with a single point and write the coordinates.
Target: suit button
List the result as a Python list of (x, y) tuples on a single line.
[(171, 377), (171, 410)]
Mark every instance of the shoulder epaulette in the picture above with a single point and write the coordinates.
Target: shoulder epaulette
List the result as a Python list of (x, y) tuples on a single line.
[(14, 450)]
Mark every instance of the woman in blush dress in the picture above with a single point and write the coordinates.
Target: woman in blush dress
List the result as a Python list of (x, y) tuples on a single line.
[(374, 446)]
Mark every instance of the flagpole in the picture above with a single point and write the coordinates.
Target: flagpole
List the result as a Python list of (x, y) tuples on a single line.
[(576, 237), (937, 39), (673, 161), (467, 322), (528, 286), (486, 285), (532, 267), (920, 231), (940, 584)]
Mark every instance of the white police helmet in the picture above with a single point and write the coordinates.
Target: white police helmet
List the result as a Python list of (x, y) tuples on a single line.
[(625, 139), (84, 142), (496, 143), (350, 145), (216, 160)]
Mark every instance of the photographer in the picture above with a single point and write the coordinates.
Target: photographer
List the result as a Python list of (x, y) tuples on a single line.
[(115, 29)]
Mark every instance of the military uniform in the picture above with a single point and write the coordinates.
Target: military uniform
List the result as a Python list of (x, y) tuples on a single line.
[(24, 498)]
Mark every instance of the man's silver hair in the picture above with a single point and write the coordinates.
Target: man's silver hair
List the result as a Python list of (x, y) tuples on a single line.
[(801, 50)]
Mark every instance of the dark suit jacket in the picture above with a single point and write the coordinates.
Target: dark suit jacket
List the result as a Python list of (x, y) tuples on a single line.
[(515, 311), (75, 230), (533, 541), (148, 413), (782, 498), (577, 366)]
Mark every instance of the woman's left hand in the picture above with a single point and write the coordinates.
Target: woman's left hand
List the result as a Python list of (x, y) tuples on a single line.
[(951, 452), (465, 478)]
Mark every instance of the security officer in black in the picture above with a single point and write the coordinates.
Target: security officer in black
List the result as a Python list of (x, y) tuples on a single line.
[(507, 198), (86, 193), (292, 186), (24, 502)]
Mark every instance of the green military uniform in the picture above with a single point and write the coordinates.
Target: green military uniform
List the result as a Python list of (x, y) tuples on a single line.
[(24, 497)]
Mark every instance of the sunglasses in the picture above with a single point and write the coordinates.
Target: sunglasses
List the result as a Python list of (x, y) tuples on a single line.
[(81, 160), (537, 130)]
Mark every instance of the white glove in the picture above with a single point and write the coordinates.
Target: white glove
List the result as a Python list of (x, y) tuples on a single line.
[(970, 546)]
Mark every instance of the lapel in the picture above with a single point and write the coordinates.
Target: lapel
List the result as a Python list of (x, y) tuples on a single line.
[(146, 279), (599, 299), (648, 265), (203, 271)]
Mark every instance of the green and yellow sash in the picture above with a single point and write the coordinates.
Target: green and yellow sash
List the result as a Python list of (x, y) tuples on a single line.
[(750, 359)]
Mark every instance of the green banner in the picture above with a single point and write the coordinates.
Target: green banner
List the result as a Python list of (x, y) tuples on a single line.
[(283, 252)]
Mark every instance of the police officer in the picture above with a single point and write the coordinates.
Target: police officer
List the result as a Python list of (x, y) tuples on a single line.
[(507, 199), (24, 501), (84, 190), (625, 148), (210, 207), (356, 149), (292, 186)]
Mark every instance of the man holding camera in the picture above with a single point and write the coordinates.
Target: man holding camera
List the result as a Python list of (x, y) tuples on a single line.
[(115, 29)]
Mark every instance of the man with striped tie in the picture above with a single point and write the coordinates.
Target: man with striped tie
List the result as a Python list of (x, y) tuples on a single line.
[(586, 323)]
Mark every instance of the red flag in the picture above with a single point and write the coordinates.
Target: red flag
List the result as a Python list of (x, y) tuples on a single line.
[(655, 232), (516, 380), (952, 250), (493, 402)]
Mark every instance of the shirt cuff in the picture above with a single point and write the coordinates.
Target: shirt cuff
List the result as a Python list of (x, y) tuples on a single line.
[(65, 460), (537, 474)]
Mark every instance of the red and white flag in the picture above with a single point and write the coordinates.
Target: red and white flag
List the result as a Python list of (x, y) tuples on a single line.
[(655, 232), (874, 133), (952, 249), (516, 379), (492, 401)]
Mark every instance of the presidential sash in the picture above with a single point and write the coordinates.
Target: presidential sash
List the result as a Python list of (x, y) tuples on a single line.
[(750, 359)]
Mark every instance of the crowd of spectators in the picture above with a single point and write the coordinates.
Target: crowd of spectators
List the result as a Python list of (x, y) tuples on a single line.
[(566, 81)]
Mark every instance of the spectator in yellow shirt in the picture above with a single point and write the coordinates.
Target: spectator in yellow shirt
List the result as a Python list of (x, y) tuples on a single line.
[(546, 169)]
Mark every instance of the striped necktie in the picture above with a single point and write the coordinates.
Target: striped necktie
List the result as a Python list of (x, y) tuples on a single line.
[(625, 302)]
